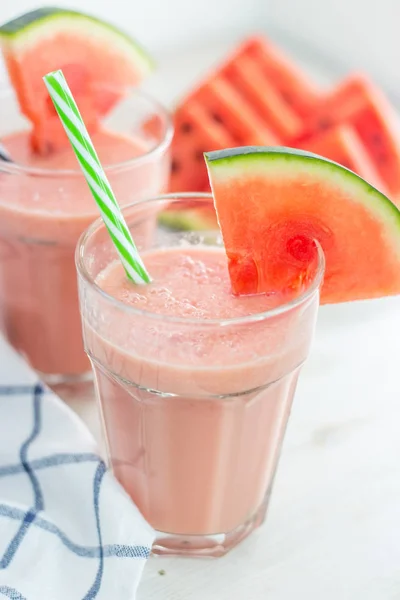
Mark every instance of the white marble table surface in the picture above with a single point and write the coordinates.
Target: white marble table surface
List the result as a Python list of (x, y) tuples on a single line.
[(333, 528)]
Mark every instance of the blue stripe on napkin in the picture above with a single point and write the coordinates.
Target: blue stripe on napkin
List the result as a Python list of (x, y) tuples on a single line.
[(32, 517), (11, 593)]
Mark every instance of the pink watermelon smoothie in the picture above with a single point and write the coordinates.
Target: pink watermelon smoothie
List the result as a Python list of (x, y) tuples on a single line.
[(195, 386), (45, 205)]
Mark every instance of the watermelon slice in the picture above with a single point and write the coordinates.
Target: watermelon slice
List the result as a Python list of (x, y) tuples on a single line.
[(194, 219), (272, 203), (98, 60), (343, 145), (358, 102), (199, 131), (293, 85), (228, 106), (255, 97), (247, 76)]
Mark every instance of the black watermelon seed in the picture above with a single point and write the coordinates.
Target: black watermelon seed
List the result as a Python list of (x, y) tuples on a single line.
[(186, 127), (324, 123), (217, 118), (175, 167)]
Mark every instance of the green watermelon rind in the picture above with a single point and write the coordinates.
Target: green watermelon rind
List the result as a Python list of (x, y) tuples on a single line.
[(237, 162), (18, 30), (189, 221)]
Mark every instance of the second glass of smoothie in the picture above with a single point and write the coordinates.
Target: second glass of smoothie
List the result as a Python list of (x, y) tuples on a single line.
[(195, 385), (45, 205)]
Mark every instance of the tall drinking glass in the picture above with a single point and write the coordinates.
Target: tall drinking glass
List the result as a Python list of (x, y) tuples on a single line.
[(195, 386), (45, 205)]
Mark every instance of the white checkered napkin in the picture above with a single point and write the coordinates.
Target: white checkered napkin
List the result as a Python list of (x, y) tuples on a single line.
[(67, 529)]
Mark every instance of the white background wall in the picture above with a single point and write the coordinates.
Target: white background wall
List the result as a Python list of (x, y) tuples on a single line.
[(360, 33), (351, 33), (157, 23)]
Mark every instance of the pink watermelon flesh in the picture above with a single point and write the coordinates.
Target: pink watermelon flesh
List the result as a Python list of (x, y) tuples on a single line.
[(343, 145), (273, 204), (359, 103), (99, 62), (257, 96)]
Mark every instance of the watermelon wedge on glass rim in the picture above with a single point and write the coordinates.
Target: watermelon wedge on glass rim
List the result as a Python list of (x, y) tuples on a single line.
[(99, 61), (274, 203)]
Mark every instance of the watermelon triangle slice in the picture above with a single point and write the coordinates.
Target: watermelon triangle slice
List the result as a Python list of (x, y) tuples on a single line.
[(357, 102), (273, 202), (98, 60), (343, 145)]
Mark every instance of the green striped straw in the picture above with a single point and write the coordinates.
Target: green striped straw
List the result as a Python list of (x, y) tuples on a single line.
[(95, 176)]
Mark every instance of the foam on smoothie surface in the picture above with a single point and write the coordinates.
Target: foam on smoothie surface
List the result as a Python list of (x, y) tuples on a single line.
[(190, 282)]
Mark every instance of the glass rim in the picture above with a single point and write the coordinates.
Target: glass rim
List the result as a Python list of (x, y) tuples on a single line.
[(254, 317), (159, 148)]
